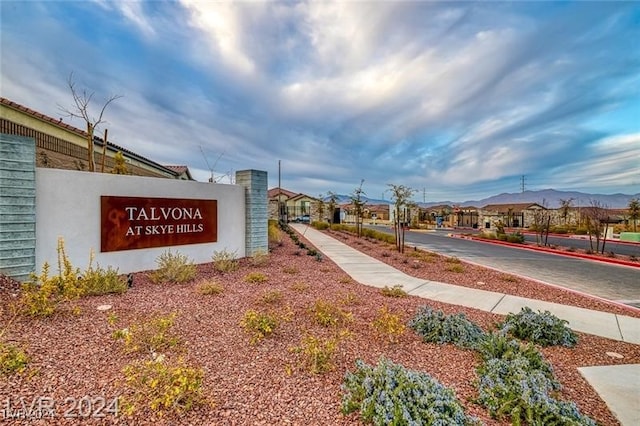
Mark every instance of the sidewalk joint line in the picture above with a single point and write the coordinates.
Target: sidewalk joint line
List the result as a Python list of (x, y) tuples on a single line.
[(619, 328), (497, 303)]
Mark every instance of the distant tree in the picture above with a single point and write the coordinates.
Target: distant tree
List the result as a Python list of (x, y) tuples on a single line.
[(82, 100), (597, 221), (120, 167), (401, 196), (634, 212), (542, 223), (565, 206), (332, 201), (358, 205), (320, 208)]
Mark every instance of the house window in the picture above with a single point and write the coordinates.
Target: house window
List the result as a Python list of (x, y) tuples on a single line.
[(306, 206)]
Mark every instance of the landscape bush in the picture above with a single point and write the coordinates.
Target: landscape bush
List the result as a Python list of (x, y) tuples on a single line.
[(516, 381), (97, 281), (318, 352), (390, 394), (207, 288), (258, 324), (542, 328), (320, 226), (395, 291), (436, 327), (260, 258), (162, 385), (328, 314), (151, 336), (388, 325), (173, 268), (12, 359), (224, 261), (274, 235), (255, 277)]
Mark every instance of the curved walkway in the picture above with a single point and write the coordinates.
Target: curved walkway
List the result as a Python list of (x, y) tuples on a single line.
[(619, 387)]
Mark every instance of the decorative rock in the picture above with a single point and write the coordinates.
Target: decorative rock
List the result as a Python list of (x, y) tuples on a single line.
[(103, 307), (615, 355)]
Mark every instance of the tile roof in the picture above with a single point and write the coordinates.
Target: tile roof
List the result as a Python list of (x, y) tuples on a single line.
[(100, 141)]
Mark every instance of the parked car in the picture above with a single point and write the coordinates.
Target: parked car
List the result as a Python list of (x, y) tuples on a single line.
[(305, 218)]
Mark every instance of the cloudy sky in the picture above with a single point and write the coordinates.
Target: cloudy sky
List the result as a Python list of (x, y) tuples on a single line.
[(456, 100)]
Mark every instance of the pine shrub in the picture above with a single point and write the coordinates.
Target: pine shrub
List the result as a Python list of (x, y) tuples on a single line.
[(436, 327), (542, 328)]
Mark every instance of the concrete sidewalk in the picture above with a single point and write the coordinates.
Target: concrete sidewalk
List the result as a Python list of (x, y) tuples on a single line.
[(618, 387)]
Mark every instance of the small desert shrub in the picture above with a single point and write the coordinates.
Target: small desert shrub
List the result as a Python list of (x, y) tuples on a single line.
[(508, 278), (12, 359), (207, 288), (436, 327), (457, 268), (321, 226), (542, 328), (42, 294), (224, 261), (390, 394), (329, 315), (258, 324), (97, 281), (162, 386), (273, 233), (300, 287), (290, 270), (388, 325), (318, 352), (611, 254), (633, 258), (453, 260), (395, 291), (260, 258), (345, 280), (271, 297), (516, 238), (350, 298), (173, 268), (255, 278), (152, 336)]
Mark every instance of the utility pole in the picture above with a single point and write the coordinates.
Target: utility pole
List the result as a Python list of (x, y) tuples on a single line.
[(522, 183), (424, 195)]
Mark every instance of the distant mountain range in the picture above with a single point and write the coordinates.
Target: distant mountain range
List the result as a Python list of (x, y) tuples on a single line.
[(549, 196)]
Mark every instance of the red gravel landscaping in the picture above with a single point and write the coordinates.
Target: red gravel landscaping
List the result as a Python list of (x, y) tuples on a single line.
[(267, 383)]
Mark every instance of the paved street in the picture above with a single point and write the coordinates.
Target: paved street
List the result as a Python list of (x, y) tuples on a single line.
[(613, 282)]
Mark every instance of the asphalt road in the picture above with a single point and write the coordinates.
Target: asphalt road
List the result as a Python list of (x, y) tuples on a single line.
[(609, 281)]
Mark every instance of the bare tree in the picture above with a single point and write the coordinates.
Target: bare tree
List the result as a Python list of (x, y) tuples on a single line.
[(565, 206), (81, 101), (401, 195), (634, 212), (542, 222), (358, 206), (597, 219), (331, 205)]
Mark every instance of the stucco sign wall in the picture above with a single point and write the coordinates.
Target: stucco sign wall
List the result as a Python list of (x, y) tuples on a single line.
[(140, 222)]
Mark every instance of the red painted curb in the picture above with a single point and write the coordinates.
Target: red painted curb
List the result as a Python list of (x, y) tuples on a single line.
[(556, 252)]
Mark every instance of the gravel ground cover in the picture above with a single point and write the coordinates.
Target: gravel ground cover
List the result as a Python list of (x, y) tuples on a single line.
[(75, 355)]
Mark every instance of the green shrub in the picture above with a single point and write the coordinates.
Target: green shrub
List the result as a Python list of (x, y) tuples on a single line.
[(581, 231), (12, 359), (542, 328), (162, 386), (516, 381), (152, 336), (395, 291), (456, 267), (173, 268), (255, 278), (225, 261), (320, 226), (258, 324), (389, 394), (516, 238), (436, 327)]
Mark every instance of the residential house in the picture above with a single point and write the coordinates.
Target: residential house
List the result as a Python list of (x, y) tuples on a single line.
[(62, 146), (288, 205), (518, 215)]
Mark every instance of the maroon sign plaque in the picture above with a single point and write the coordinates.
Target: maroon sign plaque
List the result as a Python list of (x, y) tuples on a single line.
[(129, 223)]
